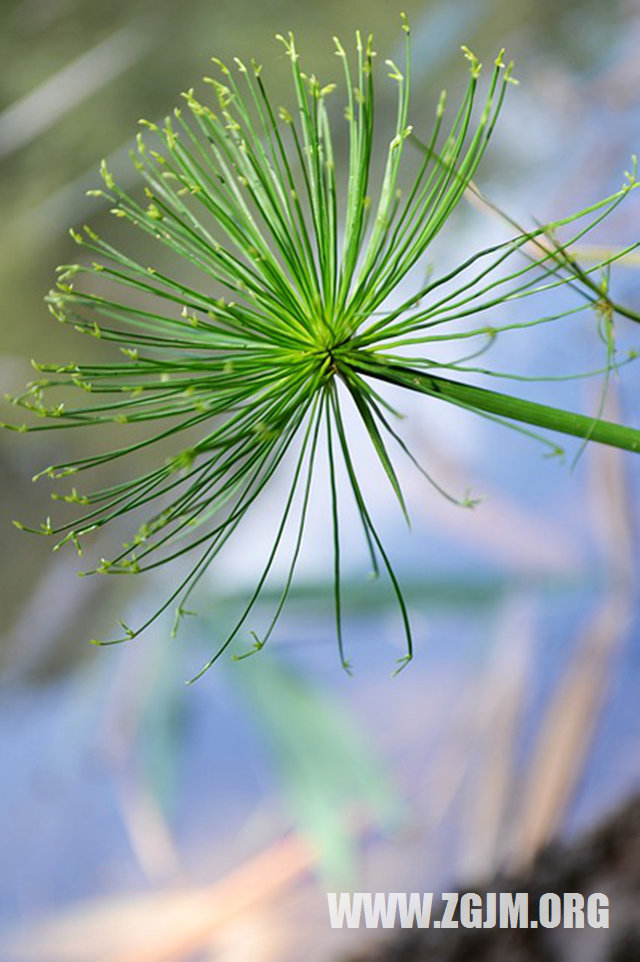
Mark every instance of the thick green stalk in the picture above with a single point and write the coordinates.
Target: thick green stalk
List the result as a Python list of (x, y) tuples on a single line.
[(501, 405)]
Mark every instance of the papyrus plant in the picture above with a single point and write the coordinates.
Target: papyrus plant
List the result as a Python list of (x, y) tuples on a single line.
[(281, 306)]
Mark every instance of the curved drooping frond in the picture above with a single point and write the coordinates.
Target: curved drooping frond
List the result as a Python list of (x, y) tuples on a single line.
[(281, 287)]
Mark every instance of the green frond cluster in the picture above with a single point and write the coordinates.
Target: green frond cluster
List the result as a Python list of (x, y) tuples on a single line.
[(278, 309)]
